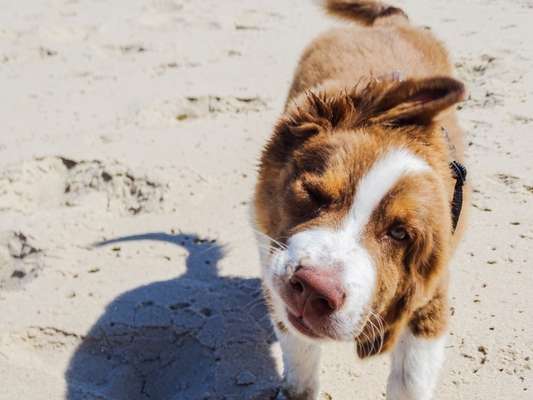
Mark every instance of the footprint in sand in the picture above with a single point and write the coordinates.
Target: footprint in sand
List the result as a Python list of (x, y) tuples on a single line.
[(20, 260), (170, 112), (474, 71), (54, 182)]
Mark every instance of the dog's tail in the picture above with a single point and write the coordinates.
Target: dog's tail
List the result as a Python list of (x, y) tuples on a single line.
[(366, 13)]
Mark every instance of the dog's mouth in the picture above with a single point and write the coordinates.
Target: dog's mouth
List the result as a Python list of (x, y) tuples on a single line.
[(323, 330), (302, 327)]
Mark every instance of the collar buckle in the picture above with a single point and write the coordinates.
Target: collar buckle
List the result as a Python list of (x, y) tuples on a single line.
[(459, 173)]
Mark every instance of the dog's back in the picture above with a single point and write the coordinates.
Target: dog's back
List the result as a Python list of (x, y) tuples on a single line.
[(382, 41)]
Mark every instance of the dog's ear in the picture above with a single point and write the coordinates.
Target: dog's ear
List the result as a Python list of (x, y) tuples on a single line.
[(288, 136), (416, 101)]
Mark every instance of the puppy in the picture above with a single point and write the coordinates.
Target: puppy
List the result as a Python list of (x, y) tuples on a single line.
[(359, 197)]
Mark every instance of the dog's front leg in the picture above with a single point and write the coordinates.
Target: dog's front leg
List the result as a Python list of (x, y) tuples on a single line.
[(301, 360), (415, 366)]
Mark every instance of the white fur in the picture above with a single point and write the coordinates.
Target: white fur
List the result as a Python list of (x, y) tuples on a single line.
[(415, 366)]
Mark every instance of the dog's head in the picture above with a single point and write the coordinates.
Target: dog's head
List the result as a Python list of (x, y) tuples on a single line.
[(353, 196)]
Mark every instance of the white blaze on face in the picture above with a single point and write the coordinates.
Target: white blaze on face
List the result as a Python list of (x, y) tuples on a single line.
[(375, 185), (342, 248)]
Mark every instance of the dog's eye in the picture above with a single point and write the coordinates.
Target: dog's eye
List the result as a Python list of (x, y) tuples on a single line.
[(317, 195), (398, 232)]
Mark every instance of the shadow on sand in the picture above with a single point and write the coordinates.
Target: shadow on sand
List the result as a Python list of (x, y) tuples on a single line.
[(198, 336)]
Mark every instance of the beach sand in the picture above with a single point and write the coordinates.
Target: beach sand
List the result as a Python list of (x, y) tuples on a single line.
[(129, 142)]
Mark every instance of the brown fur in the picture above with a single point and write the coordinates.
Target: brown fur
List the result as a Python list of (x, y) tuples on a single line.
[(339, 119), (364, 12)]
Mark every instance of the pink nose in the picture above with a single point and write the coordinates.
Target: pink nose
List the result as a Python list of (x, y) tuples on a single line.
[(315, 293)]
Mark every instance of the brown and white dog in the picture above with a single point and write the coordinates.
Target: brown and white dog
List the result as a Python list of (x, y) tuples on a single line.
[(356, 204)]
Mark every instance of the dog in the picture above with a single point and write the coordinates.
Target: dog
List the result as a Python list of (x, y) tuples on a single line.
[(359, 197)]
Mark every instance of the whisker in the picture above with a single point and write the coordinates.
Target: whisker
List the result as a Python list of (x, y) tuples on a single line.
[(270, 249), (369, 339), (210, 248), (380, 334), (362, 345), (380, 329), (253, 303), (374, 329), (278, 243)]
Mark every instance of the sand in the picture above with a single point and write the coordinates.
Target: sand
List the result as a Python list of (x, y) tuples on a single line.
[(129, 142)]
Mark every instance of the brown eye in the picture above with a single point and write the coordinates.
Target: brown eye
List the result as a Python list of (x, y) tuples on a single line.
[(398, 232)]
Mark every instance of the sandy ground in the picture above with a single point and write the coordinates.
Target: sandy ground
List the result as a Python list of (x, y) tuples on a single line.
[(129, 139)]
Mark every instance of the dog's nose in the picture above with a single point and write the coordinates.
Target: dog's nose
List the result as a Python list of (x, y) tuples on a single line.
[(317, 293)]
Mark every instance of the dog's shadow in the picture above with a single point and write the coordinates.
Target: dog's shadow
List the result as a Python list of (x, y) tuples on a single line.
[(199, 336)]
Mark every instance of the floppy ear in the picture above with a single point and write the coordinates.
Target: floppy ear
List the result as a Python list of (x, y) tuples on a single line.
[(417, 101), (289, 135)]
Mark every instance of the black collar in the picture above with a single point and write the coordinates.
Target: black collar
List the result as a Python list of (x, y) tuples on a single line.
[(459, 174)]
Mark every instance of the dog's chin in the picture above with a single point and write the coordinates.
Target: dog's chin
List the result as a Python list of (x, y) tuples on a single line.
[(300, 326), (321, 333)]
